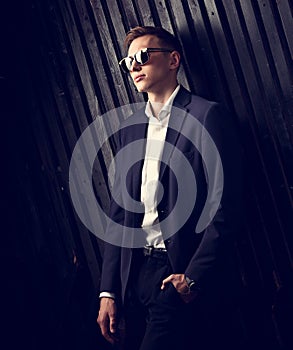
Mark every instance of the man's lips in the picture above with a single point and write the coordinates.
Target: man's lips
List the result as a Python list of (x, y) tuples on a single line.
[(138, 78)]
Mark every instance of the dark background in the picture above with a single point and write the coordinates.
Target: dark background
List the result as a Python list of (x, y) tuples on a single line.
[(58, 72)]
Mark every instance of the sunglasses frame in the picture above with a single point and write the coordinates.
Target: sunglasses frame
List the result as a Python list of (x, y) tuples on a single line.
[(123, 64)]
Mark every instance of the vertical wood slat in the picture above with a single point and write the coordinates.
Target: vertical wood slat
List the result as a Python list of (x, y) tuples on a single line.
[(237, 52)]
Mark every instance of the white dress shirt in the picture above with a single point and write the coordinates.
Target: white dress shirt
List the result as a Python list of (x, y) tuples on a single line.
[(156, 135)]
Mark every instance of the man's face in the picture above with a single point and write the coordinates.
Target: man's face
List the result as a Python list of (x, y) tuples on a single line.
[(154, 76)]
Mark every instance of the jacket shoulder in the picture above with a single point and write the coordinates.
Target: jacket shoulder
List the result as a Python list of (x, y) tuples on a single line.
[(201, 106), (194, 104)]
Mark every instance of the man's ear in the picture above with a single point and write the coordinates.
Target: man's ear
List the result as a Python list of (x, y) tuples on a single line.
[(174, 60)]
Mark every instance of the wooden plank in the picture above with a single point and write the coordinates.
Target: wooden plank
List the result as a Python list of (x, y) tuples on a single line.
[(224, 51), (213, 74), (173, 24), (117, 30), (103, 19), (144, 12), (129, 12), (277, 61), (286, 16)]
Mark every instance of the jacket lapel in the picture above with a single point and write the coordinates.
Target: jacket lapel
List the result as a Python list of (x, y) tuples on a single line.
[(138, 133), (177, 117)]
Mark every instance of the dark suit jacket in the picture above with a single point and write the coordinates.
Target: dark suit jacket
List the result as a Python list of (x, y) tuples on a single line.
[(203, 256)]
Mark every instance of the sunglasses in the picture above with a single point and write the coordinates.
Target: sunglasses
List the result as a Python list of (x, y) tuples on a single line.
[(141, 57)]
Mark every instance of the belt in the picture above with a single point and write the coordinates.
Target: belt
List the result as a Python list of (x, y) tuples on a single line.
[(158, 253)]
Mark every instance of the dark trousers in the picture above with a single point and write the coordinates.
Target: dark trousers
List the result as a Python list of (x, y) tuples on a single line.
[(158, 319), (155, 318)]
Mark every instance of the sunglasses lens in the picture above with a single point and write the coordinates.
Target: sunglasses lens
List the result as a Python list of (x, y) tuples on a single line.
[(141, 57), (126, 64)]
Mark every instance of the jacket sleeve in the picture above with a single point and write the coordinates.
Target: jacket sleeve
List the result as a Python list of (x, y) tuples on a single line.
[(110, 276)]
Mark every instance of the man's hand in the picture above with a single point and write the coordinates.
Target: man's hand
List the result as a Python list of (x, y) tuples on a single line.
[(180, 284), (107, 319)]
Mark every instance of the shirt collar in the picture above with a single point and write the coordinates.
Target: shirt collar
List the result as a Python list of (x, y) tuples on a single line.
[(166, 109)]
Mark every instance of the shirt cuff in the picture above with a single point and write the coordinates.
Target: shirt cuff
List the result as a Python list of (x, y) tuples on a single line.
[(107, 295)]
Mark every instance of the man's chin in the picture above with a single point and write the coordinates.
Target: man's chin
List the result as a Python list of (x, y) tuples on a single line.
[(140, 89)]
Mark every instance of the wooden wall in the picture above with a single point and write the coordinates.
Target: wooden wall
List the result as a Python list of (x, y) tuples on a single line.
[(63, 73)]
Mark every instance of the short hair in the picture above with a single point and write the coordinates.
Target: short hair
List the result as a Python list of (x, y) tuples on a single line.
[(168, 40)]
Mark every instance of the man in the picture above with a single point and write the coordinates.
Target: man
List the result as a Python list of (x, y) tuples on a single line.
[(177, 289)]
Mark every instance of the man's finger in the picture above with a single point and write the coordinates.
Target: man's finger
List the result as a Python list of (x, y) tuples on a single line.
[(105, 333), (112, 325), (166, 280)]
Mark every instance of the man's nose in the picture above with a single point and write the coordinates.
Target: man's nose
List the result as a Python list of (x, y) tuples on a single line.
[(135, 67)]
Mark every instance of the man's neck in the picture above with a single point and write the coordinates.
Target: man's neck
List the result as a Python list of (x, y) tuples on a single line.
[(161, 97), (158, 100)]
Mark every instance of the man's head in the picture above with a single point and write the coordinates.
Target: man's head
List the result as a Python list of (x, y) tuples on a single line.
[(153, 59)]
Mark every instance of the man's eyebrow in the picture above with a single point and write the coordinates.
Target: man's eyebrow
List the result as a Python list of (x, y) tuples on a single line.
[(133, 54)]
